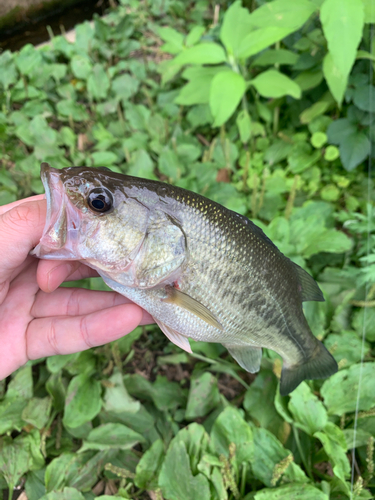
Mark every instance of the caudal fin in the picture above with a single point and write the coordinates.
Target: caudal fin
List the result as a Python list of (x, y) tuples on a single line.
[(320, 365)]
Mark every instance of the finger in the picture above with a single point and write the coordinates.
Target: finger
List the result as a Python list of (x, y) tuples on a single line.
[(66, 335), (77, 302), (9, 206), (51, 273)]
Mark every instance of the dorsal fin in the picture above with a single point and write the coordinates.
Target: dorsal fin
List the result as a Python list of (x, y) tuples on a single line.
[(310, 289)]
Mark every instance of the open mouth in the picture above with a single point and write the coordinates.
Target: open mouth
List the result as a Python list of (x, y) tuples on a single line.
[(55, 243)]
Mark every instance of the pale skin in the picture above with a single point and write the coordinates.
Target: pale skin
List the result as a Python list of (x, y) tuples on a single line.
[(38, 319)]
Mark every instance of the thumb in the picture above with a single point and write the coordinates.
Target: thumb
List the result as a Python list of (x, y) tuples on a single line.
[(21, 228)]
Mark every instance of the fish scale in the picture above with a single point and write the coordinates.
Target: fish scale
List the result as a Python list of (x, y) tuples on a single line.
[(201, 270)]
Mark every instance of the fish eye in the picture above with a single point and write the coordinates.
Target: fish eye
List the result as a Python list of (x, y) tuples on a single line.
[(100, 200)]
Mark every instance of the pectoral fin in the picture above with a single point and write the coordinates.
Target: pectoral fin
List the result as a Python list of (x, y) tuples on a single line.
[(174, 336), (180, 299), (246, 356)]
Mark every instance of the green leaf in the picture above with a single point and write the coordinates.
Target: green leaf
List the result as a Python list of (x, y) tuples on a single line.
[(273, 456), (125, 86), (197, 90), (104, 158), (318, 139), (148, 467), (236, 25), (15, 459), (116, 397), (81, 66), (313, 111), (243, 122), (340, 130), (28, 59), (355, 150), (176, 480), (364, 96), (295, 491), (271, 83), (369, 11), (203, 53), (334, 444), (229, 428), (141, 165), (227, 89), (308, 412), (66, 494), (83, 401), (98, 83), (8, 71), (340, 391), (276, 56), (194, 35), (346, 347), (37, 412), (342, 22), (69, 108), (108, 436), (174, 39), (203, 397)]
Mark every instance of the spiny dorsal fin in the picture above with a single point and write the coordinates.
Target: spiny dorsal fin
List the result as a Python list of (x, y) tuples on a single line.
[(183, 300), (310, 289)]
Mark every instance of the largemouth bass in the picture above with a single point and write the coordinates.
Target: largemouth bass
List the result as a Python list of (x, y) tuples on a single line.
[(201, 270)]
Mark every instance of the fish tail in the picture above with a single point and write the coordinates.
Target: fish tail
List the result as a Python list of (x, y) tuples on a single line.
[(320, 365)]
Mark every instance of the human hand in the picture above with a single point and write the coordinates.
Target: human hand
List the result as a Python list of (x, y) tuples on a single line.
[(37, 318)]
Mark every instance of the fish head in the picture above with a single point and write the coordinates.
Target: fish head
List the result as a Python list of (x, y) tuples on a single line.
[(90, 218)]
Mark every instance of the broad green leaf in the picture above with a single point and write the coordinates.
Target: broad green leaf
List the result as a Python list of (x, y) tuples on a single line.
[(364, 96), (313, 111), (15, 459), (69, 108), (141, 165), (37, 412), (203, 397), (103, 158), (276, 56), (308, 412), (148, 467), (295, 491), (340, 391), (66, 494), (334, 444), (346, 347), (342, 22), (336, 80), (174, 39), (243, 122), (196, 442), (272, 83), (117, 399), (203, 53), (270, 455), (56, 470), (227, 89), (340, 130), (81, 66), (259, 404), (197, 90), (58, 362), (125, 86), (259, 39), (354, 150), (8, 71), (28, 59), (229, 428), (236, 25), (176, 480), (98, 83), (194, 35), (170, 165), (369, 7), (83, 400), (109, 436)]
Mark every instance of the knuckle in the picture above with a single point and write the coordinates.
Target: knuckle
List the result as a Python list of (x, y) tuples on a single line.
[(52, 337), (83, 330), (72, 307)]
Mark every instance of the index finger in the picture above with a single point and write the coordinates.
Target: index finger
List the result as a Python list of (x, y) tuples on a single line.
[(9, 206)]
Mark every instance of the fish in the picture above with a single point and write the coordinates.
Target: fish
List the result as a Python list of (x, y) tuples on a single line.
[(201, 270)]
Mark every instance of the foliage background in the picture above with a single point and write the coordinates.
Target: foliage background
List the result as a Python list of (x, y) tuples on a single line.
[(266, 108)]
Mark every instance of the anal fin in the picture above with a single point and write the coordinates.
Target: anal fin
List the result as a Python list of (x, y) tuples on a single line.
[(175, 337), (246, 356)]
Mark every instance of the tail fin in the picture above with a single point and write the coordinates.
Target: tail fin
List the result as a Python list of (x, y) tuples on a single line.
[(320, 365)]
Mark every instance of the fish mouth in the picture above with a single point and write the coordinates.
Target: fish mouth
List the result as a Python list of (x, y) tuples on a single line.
[(60, 234)]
